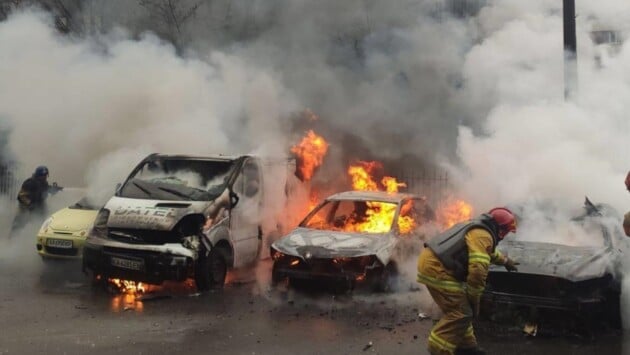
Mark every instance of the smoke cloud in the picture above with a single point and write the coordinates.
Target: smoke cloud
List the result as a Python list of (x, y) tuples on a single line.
[(72, 102)]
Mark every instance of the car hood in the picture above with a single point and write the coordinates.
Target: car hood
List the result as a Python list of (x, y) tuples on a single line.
[(72, 220), (573, 263), (331, 244), (150, 214)]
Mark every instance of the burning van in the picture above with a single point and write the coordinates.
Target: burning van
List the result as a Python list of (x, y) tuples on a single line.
[(352, 238), (178, 217)]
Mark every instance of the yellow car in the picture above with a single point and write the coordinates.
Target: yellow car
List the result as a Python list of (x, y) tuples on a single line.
[(63, 234)]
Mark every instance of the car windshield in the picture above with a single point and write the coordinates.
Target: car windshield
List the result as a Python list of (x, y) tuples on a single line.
[(583, 230), (352, 216), (178, 179), (83, 204)]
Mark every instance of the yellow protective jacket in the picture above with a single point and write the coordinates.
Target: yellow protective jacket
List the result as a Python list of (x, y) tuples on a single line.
[(479, 253)]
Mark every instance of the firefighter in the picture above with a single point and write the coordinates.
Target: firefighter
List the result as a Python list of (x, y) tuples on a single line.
[(32, 196), (454, 266)]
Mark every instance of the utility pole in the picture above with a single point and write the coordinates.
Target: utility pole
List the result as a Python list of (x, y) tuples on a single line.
[(570, 49)]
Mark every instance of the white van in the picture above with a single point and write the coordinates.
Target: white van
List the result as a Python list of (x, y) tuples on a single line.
[(177, 217)]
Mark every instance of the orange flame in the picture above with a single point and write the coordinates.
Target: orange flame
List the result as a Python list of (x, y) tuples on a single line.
[(363, 180), (127, 286), (379, 215), (361, 175), (453, 211), (406, 223), (310, 152)]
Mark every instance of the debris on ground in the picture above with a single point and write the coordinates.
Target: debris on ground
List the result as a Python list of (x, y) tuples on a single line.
[(530, 329), (423, 316), (368, 345)]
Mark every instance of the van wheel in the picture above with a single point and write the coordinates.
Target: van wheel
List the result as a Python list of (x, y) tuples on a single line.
[(210, 271)]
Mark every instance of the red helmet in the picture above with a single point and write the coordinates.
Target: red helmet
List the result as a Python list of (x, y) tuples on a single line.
[(505, 219), (628, 181)]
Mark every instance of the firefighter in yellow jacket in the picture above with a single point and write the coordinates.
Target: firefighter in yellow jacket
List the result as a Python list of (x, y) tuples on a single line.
[(454, 266)]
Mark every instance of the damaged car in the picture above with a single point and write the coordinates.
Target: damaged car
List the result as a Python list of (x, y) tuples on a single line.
[(581, 279), (63, 234), (178, 217), (351, 239)]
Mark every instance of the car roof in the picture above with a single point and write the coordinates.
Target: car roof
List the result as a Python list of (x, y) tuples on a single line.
[(371, 196), (194, 157)]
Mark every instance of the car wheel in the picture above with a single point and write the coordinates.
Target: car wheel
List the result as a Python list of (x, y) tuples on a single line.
[(383, 280), (211, 270)]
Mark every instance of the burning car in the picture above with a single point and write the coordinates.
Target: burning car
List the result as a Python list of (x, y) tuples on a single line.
[(579, 278), (353, 238), (178, 217), (63, 234)]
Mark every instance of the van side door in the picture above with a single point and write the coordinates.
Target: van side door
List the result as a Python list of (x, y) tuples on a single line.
[(245, 216)]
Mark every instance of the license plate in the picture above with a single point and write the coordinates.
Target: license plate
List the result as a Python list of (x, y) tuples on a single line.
[(59, 243), (130, 264)]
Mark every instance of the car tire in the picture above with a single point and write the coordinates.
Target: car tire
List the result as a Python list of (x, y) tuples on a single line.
[(383, 280), (211, 270)]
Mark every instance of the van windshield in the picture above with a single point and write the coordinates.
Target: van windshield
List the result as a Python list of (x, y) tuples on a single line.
[(179, 180)]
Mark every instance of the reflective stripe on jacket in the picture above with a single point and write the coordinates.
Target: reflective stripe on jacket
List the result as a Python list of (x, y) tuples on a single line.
[(480, 253)]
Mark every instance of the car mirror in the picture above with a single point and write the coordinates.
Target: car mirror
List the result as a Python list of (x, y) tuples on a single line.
[(233, 199)]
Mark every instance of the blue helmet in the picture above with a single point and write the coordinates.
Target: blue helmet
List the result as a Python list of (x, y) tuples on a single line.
[(41, 171)]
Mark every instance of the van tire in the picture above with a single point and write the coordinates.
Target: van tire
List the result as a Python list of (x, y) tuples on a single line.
[(211, 270)]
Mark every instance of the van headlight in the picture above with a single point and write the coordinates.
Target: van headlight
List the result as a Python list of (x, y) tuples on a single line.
[(100, 222)]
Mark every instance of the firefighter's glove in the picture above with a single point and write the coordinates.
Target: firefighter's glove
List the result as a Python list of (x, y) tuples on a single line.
[(510, 265), (474, 305)]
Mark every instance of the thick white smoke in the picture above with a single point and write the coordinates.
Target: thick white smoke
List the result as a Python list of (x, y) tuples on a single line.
[(73, 102), (532, 144)]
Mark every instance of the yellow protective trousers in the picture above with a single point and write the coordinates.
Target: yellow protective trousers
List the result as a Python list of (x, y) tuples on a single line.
[(454, 330)]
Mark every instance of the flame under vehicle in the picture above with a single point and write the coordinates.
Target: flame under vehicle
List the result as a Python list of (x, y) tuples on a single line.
[(63, 234), (582, 279), (179, 217), (352, 238)]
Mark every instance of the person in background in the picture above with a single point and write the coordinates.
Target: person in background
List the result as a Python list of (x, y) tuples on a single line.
[(32, 196)]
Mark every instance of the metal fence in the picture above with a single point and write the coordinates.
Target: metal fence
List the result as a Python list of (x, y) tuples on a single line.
[(433, 184), (9, 183)]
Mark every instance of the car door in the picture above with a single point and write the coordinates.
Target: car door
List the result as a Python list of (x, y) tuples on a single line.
[(245, 216)]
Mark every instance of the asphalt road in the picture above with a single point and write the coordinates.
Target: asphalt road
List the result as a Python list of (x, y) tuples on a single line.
[(50, 308), (55, 311)]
